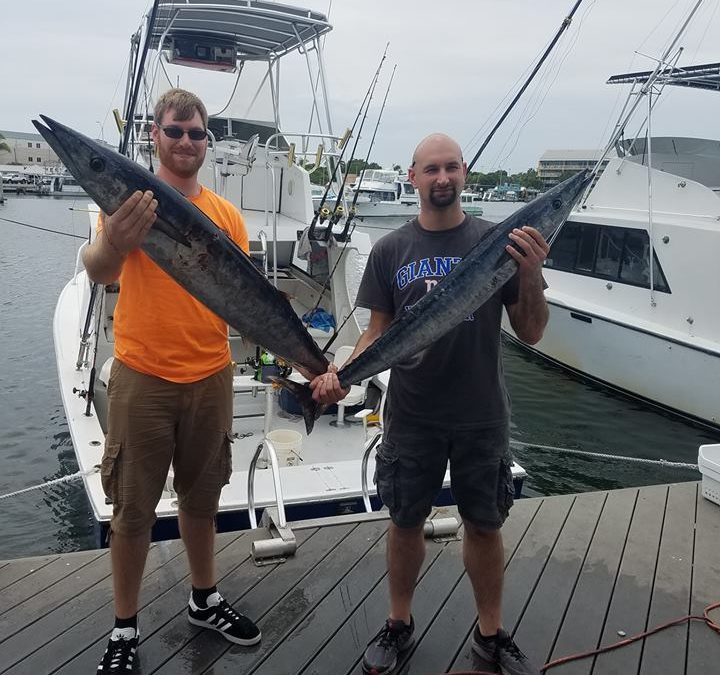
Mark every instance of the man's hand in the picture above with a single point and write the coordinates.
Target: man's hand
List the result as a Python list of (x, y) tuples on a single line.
[(535, 248), (326, 387), (125, 229)]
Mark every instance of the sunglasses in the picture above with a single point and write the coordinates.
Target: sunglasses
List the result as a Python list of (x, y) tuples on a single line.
[(176, 133)]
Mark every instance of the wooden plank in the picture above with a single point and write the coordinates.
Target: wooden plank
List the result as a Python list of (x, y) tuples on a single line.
[(46, 576), (14, 570), (633, 589), (584, 619), (703, 644), (63, 605), (181, 648), (524, 570), (544, 614), (78, 649), (348, 639), (298, 641), (456, 614), (665, 652)]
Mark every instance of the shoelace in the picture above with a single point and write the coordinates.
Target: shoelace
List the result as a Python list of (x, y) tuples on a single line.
[(508, 644), (121, 651), (387, 635), (227, 611)]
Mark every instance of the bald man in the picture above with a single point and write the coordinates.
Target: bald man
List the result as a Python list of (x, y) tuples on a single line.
[(448, 403)]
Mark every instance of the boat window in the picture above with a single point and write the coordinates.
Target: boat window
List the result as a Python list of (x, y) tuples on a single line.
[(586, 250), (609, 252), (408, 189), (615, 253)]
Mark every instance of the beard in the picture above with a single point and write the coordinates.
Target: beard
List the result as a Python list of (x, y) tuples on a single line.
[(446, 197), (185, 166)]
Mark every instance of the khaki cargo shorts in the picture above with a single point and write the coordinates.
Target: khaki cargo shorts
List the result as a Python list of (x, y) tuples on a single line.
[(153, 423)]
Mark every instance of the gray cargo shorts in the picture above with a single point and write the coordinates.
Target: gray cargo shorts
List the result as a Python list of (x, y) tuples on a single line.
[(411, 462)]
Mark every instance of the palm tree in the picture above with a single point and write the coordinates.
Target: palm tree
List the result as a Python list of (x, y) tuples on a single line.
[(4, 147)]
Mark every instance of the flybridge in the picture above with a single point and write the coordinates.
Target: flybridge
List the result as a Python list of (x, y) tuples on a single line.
[(220, 33), (705, 76)]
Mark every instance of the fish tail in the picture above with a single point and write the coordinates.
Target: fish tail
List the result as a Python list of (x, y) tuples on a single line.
[(311, 409)]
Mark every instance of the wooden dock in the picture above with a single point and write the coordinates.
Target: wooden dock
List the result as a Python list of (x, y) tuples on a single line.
[(582, 570)]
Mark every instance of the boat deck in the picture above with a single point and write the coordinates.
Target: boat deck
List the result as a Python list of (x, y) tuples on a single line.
[(581, 571)]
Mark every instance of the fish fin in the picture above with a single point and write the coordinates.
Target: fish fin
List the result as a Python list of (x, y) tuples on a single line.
[(311, 409), (170, 231)]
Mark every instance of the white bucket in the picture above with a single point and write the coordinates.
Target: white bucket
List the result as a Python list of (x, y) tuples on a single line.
[(288, 446)]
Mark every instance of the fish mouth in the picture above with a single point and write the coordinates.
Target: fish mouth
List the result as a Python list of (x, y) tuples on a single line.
[(51, 133)]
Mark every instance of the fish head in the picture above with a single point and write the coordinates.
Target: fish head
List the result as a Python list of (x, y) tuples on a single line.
[(552, 208), (106, 175)]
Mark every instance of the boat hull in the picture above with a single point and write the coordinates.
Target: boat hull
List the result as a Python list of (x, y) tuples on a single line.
[(668, 373)]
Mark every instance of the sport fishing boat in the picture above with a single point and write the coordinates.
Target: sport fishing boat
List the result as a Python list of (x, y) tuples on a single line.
[(263, 168), (384, 193), (632, 276)]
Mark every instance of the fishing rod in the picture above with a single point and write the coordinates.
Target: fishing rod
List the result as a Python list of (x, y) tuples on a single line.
[(130, 112), (352, 210), (321, 210), (338, 211), (563, 27)]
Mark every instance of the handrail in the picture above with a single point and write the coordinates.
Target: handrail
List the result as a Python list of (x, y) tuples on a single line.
[(369, 446), (268, 444)]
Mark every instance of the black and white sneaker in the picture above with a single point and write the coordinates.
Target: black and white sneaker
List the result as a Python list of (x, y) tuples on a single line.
[(219, 616), (119, 655)]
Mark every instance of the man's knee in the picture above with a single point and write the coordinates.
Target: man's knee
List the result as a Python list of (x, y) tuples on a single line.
[(480, 532)]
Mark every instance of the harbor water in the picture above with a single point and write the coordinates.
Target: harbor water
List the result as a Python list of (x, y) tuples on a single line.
[(550, 407)]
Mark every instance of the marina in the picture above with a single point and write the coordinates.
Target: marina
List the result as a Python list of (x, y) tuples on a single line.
[(612, 533), (582, 572)]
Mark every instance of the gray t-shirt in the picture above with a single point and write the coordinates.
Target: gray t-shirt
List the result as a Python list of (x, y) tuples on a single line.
[(459, 379)]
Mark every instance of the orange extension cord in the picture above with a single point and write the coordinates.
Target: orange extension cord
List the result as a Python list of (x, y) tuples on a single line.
[(705, 618)]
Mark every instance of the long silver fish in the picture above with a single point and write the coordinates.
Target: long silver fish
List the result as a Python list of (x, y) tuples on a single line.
[(483, 270), (194, 251)]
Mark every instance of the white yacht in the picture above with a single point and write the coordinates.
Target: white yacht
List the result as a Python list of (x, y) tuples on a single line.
[(384, 193), (633, 276), (277, 468)]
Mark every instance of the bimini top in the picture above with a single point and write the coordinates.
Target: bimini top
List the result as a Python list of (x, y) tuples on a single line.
[(706, 76), (257, 29)]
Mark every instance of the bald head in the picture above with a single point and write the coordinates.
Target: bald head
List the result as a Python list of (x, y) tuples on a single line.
[(436, 143), (438, 174)]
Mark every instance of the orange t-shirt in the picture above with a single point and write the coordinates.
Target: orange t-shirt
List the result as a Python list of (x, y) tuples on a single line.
[(162, 330)]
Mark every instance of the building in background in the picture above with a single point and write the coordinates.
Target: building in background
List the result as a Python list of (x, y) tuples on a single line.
[(555, 165), (27, 149)]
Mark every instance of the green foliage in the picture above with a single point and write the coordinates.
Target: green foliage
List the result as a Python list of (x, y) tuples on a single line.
[(4, 147), (528, 179)]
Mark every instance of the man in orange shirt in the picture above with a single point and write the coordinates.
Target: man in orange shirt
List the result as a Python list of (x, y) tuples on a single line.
[(170, 391)]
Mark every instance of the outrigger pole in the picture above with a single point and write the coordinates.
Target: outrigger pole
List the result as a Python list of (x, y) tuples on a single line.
[(566, 22), (321, 210), (130, 111)]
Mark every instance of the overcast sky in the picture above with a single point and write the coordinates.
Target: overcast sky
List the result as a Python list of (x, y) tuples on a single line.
[(456, 61)]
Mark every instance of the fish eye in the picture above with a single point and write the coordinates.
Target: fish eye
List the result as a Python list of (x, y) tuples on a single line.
[(97, 164), (557, 203)]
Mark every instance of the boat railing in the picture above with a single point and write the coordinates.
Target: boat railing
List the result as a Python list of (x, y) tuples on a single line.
[(281, 543)]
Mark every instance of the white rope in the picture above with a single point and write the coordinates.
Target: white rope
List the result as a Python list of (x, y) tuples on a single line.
[(56, 481), (604, 455)]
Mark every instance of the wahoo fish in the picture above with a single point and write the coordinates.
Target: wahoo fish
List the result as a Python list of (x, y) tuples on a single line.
[(188, 246), (483, 270)]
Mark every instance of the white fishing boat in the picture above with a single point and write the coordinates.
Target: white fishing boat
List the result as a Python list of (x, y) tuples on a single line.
[(69, 187), (384, 193), (277, 468), (633, 277), (471, 203)]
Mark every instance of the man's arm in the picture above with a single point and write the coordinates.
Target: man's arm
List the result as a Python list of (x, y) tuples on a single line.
[(120, 234), (326, 388), (529, 315)]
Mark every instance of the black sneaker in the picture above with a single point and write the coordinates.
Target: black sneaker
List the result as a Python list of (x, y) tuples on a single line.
[(219, 616), (501, 650), (120, 652), (381, 656)]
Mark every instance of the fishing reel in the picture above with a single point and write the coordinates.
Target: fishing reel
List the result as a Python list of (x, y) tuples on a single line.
[(265, 366)]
